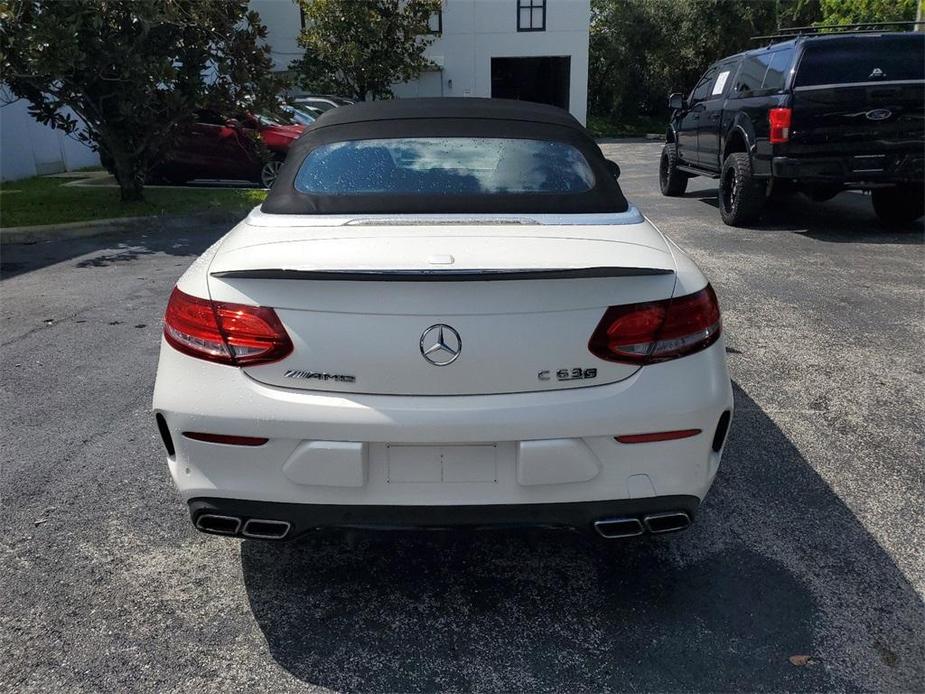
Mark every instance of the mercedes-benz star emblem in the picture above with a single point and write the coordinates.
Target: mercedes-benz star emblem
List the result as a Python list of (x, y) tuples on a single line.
[(440, 345)]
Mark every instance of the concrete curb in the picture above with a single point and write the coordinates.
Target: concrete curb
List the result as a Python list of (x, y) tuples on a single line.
[(98, 227)]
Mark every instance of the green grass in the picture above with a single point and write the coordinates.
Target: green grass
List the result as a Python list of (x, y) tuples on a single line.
[(44, 200), (602, 126)]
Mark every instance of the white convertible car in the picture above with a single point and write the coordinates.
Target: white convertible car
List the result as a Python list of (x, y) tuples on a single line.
[(444, 314)]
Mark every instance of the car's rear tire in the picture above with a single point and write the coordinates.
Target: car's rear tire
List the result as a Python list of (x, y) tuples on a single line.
[(671, 181), (898, 205), (741, 197), (269, 172)]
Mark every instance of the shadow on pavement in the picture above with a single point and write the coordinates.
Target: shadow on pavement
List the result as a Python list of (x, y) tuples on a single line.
[(847, 218), (776, 566), (169, 236)]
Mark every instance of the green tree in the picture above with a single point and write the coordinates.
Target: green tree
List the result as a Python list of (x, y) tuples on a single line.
[(864, 11), (641, 50), (122, 75), (797, 13), (359, 48)]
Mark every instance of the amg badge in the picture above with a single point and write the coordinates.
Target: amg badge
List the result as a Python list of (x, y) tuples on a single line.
[(319, 376)]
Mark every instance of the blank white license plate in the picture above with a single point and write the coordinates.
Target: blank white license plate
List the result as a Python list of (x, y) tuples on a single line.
[(443, 463)]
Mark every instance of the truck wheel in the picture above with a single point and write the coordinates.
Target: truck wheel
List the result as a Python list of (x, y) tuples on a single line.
[(898, 205), (671, 181), (741, 197)]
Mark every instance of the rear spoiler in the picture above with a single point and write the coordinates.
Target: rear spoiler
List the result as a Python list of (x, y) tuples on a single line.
[(441, 275)]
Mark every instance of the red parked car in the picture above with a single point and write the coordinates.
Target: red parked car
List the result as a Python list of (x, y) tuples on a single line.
[(217, 147)]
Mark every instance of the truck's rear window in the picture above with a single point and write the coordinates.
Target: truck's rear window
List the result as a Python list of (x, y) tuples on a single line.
[(862, 59), (444, 166)]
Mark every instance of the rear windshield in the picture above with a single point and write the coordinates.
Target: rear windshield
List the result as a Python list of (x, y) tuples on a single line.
[(862, 59), (444, 166)]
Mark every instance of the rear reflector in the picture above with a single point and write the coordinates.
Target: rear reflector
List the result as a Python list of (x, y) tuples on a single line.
[(657, 331), (657, 436), (165, 434), (722, 427), (779, 119), (234, 334), (227, 440)]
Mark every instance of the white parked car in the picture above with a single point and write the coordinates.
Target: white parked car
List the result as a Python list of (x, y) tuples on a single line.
[(444, 314)]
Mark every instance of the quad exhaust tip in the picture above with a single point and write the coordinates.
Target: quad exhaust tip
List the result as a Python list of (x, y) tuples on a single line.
[(608, 528), (672, 521), (256, 528), (613, 528), (266, 529), (217, 524), (655, 523)]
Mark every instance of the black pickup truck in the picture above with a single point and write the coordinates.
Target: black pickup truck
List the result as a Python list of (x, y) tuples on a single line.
[(821, 114)]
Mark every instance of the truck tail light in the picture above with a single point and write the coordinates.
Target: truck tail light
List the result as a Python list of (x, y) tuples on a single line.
[(657, 331), (234, 334), (779, 118)]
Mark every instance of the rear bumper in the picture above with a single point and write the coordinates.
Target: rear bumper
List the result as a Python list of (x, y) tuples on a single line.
[(894, 167), (552, 447), (303, 518)]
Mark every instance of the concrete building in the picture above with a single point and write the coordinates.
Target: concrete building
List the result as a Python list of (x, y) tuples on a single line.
[(28, 148), (535, 50)]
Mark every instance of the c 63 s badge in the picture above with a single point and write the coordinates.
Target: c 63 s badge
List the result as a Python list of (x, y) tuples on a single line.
[(575, 374), (319, 376)]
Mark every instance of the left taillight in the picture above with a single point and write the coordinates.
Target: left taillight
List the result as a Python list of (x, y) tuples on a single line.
[(658, 331), (226, 333), (779, 120)]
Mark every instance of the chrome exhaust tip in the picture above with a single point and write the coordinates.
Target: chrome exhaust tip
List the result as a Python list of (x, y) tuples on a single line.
[(613, 528), (218, 525), (669, 522), (261, 529)]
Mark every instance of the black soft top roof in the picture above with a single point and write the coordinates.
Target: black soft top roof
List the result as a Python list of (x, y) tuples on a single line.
[(447, 107), (446, 117)]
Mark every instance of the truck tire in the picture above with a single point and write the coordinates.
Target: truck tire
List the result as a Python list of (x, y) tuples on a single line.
[(671, 181), (898, 205), (741, 197)]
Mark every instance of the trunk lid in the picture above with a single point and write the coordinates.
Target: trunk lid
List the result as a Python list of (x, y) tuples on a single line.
[(505, 307)]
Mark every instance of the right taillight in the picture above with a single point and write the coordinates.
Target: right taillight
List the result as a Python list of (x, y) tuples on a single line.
[(779, 120), (657, 331), (234, 334)]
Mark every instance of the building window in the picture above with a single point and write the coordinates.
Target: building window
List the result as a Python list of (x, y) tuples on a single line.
[(302, 16), (531, 15), (435, 23)]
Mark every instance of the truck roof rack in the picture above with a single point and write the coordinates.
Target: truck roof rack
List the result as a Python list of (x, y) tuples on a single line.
[(824, 29)]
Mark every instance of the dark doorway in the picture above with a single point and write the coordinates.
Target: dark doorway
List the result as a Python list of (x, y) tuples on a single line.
[(543, 79)]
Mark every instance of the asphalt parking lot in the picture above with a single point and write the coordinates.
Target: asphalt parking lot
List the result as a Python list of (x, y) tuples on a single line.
[(805, 571)]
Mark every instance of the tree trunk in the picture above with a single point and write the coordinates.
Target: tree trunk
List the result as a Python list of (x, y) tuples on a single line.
[(129, 177)]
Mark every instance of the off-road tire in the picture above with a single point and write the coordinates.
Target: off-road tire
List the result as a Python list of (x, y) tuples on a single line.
[(898, 205), (741, 196), (671, 181)]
